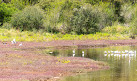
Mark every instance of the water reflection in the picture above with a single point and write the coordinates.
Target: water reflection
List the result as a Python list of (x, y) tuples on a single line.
[(130, 55), (121, 59)]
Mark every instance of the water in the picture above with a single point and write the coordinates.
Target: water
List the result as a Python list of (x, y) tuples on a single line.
[(121, 68)]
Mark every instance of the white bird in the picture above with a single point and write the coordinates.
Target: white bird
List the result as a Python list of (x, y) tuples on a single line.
[(131, 52), (82, 52), (73, 51), (116, 55), (105, 54), (20, 44), (112, 51), (135, 52), (105, 51), (73, 55), (123, 52), (116, 51), (13, 42), (50, 52), (108, 51), (83, 55), (131, 55), (126, 51)]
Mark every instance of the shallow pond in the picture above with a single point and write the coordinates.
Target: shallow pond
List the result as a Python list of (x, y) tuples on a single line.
[(122, 68)]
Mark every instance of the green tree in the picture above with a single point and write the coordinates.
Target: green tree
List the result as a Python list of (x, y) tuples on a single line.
[(6, 11), (85, 21), (28, 19)]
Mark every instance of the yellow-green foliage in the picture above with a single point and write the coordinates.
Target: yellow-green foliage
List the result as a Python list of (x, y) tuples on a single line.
[(116, 29), (8, 35)]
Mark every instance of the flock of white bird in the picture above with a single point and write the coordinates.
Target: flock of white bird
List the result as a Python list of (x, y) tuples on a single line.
[(120, 53), (75, 54), (14, 42)]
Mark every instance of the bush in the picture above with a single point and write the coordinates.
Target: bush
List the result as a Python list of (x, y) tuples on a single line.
[(133, 21), (58, 14), (7, 25), (127, 12), (28, 19), (107, 14), (6, 11), (133, 28), (116, 29), (85, 21)]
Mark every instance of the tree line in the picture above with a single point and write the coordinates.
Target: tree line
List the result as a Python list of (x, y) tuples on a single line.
[(67, 16)]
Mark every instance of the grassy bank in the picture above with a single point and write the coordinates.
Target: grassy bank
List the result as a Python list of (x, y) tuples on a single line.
[(8, 35)]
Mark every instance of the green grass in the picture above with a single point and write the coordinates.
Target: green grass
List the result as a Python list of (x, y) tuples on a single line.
[(8, 35)]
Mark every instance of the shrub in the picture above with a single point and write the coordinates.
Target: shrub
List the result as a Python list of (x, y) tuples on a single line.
[(85, 21), (107, 14), (7, 25), (116, 29), (28, 19), (133, 28), (6, 11), (133, 21), (58, 14), (127, 12)]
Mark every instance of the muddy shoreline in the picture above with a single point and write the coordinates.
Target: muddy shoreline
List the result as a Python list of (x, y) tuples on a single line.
[(67, 43)]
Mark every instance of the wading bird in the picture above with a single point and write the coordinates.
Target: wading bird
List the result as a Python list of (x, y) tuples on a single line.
[(73, 53), (20, 44), (13, 42), (82, 53)]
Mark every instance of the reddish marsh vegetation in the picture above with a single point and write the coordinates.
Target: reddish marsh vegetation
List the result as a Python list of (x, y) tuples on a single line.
[(27, 63)]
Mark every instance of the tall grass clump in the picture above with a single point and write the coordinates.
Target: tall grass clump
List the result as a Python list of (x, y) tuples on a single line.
[(28, 19)]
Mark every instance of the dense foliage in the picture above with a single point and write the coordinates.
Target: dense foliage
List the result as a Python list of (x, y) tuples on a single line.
[(6, 12), (85, 21), (28, 19), (70, 16)]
